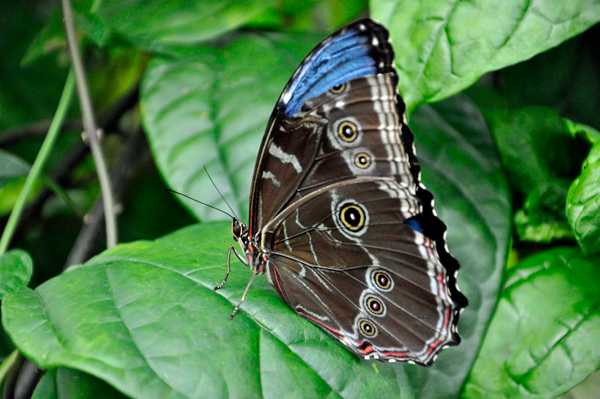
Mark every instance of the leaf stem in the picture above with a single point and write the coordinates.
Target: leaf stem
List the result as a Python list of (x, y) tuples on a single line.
[(39, 162), (89, 125)]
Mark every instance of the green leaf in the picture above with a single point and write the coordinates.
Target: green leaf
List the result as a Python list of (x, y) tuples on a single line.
[(144, 318), (565, 77), (27, 94), (51, 37), (116, 73), (542, 218), (541, 156), (163, 25), (11, 168), (589, 133), (66, 383), (534, 145), (544, 338), (340, 12), (583, 203), (309, 16), (10, 192), (212, 110), (15, 271), (13, 171), (444, 46), (461, 167)]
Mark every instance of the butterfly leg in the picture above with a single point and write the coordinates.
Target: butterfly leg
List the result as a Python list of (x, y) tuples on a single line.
[(231, 247), (243, 296)]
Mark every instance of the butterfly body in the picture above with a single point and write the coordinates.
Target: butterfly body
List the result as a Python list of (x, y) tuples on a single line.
[(339, 221)]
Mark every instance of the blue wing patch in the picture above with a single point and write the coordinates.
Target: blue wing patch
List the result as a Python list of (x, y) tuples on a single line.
[(350, 53), (414, 223)]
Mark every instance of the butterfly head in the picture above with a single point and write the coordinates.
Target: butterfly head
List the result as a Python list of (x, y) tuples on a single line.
[(255, 258), (239, 230)]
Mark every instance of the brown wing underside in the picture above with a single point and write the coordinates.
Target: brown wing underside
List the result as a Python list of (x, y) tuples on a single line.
[(306, 152), (326, 271)]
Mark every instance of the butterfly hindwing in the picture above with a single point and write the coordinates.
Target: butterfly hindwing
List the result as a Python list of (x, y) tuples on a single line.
[(327, 250)]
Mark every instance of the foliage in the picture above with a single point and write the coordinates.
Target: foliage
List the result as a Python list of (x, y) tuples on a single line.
[(518, 147)]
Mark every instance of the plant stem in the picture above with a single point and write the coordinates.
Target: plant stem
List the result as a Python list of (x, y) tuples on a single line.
[(7, 364), (89, 125), (39, 162)]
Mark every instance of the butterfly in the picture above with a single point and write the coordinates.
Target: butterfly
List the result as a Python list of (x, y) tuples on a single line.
[(339, 221)]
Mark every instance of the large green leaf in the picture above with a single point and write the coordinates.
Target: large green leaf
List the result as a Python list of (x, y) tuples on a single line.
[(16, 267), (583, 203), (545, 335), (461, 167), (212, 110), (444, 46), (67, 383), (164, 25), (144, 317)]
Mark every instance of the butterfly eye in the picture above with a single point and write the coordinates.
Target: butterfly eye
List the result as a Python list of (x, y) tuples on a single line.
[(362, 160), (347, 131), (353, 217), (367, 328), (338, 88), (375, 306), (236, 230)]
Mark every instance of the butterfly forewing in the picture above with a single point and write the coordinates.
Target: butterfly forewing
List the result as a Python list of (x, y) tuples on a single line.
[(359, 49), (362, 135)]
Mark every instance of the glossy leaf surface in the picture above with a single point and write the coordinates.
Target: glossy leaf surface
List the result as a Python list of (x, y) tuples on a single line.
[(541, 156), (445, 46), (144, 317), (65, 383), (583, 203), (16, 268), (163, 25), (544, 338)]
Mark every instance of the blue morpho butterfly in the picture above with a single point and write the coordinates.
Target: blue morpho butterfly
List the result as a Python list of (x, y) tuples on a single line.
[(339, 220)]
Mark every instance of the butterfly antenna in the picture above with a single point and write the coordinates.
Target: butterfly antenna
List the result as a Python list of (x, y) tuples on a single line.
[(217, 188), (200, 202)]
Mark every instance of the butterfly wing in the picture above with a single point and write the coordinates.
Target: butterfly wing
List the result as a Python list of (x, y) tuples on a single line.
[(344, 258), (337, 152)]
